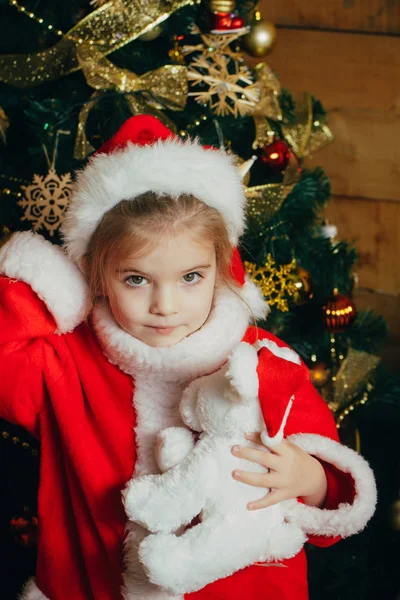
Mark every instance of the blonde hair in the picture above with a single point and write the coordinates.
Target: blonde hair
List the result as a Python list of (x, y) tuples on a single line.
[(134, 226)]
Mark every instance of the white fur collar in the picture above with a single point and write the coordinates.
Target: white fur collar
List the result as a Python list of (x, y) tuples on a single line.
[(198, 354)]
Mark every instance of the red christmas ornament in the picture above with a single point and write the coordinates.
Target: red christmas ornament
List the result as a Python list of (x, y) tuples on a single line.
[(225, 22), (339, 312), (25, 529), (276, 156)]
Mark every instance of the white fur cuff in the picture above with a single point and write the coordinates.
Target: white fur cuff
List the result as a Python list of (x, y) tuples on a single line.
[(348, 519), (51, 274), (32, 592)]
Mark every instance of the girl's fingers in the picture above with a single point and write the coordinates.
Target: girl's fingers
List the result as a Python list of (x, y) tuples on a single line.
[(270, 499), (254, 437), (265, 480), (262, 457), (277, 449)]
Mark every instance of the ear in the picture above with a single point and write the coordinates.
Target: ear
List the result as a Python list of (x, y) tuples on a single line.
[(242, 371), (188, 405)]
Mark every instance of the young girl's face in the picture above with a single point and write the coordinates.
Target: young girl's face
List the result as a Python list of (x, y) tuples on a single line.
[(166, 294)]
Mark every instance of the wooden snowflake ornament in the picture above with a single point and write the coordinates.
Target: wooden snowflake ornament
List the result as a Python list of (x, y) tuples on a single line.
[(46, 200), (225, 93)]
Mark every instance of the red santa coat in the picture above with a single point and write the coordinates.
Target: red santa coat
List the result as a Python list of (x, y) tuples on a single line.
[(96, 397)]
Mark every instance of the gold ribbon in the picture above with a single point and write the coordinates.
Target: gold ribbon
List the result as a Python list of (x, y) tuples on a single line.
[(264, 201), (305, 136), (163, 88), (110, 27), (268, 107), (354, 374)]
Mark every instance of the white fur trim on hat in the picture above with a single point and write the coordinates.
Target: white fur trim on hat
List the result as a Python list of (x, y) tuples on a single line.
[(167, 167), (348, 519), (252, 295), (51, 274)]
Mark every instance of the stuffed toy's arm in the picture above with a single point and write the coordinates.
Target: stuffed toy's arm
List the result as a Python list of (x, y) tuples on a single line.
[(351, 496), (163, 503), (173, 445)]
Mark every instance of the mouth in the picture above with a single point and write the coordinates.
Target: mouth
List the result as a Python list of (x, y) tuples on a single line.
[(163, 330)]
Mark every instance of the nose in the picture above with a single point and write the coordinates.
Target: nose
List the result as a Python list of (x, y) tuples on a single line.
[(164, 301)]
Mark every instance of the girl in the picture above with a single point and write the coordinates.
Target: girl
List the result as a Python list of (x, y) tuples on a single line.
[(151, 235)]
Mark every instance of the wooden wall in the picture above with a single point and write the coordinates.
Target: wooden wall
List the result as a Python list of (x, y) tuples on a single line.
[(347, 53)]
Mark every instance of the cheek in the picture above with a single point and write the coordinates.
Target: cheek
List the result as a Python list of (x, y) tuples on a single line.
[(127, 306), (200, 304)]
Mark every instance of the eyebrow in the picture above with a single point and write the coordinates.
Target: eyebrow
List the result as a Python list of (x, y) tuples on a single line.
[(131, 269)]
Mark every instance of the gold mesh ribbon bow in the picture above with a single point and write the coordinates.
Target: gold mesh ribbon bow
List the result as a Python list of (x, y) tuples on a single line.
[(305, 136), (109, 28), (163, 88)]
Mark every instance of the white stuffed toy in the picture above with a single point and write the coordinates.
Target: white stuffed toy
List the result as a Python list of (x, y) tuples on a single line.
[(223, 406)]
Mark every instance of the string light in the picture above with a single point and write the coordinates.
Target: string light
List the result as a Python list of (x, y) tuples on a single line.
[(5, 435), (32, 15)]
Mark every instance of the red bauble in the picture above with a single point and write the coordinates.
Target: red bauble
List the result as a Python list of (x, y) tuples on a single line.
[(339, 312), (24, 530), (226, 22), (276, 156)]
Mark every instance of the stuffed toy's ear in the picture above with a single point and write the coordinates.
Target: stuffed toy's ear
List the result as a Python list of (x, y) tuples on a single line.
[(188, 405), (242, 373)]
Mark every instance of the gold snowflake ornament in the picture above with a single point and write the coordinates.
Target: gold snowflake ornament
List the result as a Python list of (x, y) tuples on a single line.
[(46, 200), (274, 282), (226, 93)]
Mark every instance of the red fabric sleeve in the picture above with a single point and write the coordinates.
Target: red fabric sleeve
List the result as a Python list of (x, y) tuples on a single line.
[(24, 324)]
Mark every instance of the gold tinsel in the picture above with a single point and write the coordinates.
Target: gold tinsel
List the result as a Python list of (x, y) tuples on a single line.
[(110, 27), (163, 88), (273, 281)]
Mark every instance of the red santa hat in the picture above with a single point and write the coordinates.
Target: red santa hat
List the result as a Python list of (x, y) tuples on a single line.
[(273, 374), (144, 155)]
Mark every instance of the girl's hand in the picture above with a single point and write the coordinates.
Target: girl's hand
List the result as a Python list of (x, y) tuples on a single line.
[(292, 473)]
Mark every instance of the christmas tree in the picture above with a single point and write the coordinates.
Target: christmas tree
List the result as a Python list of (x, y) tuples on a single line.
[(71, 73)]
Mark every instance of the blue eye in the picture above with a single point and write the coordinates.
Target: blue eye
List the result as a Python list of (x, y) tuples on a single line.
[(136, 281), (192, 278)]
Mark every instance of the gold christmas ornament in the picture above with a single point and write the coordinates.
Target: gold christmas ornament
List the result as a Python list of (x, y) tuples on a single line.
[(395, 515), (222, 6), (261, 38), (273, 281), (4, 125), (304, 286), (151, 34), (320, 374)]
